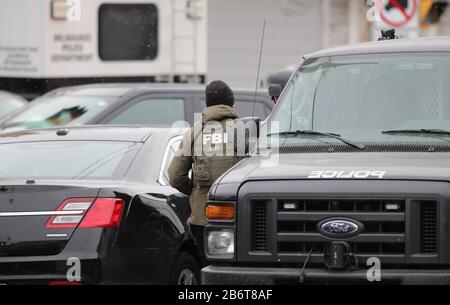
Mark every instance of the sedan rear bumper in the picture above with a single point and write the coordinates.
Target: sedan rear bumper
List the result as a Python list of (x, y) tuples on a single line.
[(43, 272), (214, 275), (43, 279)]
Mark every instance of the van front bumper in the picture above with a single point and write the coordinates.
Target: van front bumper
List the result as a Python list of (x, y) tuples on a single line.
[(215, 275)]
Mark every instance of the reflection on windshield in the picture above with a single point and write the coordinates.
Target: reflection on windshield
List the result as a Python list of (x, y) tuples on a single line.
[(359, 97), (57, 111), (66, 115)]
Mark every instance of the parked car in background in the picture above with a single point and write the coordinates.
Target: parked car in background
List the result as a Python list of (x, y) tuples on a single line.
[(99, 194), (143, 104), (9, 103)]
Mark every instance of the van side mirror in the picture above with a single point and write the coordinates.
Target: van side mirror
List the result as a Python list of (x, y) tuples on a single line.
[(275, 90), (246, 135)]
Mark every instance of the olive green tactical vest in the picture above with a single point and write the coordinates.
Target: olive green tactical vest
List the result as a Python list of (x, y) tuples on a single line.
[(213, 151)]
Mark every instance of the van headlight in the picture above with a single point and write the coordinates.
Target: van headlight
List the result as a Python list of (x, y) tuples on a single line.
[(221, 244)]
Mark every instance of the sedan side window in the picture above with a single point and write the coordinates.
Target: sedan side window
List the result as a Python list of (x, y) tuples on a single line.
[(247, 109), (171, 150), (152, 112)]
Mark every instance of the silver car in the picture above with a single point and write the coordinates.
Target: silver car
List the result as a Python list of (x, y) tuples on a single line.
[(9, 103)]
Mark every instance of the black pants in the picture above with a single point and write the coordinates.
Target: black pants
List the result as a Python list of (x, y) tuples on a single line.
[(197, 233)]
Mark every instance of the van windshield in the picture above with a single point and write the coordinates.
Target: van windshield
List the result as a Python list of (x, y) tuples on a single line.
[(387, 98)]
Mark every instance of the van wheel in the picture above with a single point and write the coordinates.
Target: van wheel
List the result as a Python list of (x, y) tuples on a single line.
[(185, 271)]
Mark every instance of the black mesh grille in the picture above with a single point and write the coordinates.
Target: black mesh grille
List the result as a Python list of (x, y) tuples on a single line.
[(340, 148), (259, 226), (428, 227)]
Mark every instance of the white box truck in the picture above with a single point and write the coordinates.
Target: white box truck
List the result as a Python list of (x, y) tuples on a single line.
[(45, 44)]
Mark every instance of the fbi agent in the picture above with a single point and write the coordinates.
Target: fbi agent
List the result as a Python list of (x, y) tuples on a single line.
[(208, 150)]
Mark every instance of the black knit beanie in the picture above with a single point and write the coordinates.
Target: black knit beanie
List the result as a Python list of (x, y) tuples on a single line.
[(219, 93)]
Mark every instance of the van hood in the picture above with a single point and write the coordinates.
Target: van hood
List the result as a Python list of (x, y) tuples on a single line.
[(323, 166)]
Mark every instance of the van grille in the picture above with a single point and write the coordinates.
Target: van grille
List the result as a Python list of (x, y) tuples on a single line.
[(279, 223), (398, 231), (383, 220)]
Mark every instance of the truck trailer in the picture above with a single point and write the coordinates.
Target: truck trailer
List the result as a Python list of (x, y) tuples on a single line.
[(46, 44)]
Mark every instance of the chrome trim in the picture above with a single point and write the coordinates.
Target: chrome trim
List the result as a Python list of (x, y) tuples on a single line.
[(41, 213), (166, 155), (56, 235)]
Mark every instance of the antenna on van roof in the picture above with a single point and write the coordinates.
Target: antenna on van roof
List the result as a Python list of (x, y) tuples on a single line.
[(388, 35), (259, 65)]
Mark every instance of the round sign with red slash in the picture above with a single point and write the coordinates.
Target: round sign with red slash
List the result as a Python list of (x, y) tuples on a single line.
[(397, 13)]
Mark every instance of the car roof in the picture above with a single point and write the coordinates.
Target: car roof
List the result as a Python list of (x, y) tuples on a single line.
[(122, 89), (118, 133), (5, 95), (416, 45)]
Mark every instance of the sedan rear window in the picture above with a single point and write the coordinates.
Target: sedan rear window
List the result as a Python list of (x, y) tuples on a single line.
[(66, 160)]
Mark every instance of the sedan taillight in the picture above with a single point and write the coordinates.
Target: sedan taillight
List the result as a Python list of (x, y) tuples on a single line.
[(104, 213), (87, 213)]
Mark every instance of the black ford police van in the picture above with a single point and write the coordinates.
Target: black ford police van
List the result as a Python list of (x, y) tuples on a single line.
[(351, 183)]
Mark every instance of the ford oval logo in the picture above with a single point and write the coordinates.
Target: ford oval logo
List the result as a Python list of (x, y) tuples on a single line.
[(340, 228)]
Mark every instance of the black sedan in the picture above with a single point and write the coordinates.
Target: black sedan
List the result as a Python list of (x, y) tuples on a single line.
[(92, 205), (143, 104)]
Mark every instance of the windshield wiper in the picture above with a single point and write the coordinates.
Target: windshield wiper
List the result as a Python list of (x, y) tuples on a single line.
[(318, 133), (418, 131)]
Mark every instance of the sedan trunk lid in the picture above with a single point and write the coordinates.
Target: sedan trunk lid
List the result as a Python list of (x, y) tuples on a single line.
[(25, 211)]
